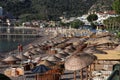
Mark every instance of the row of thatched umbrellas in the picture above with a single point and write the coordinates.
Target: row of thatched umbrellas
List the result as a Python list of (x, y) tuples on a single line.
[(72, 61)]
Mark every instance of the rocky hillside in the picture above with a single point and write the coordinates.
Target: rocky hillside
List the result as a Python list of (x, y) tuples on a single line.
[(52, 9)]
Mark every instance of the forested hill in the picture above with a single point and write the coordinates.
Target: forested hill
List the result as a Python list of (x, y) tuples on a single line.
[(52, 9)]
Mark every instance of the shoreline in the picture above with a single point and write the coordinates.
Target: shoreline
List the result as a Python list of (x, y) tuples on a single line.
[(37, 40)]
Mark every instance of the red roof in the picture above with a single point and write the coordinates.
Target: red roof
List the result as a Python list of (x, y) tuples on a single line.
[(107, 12), (110, 12)]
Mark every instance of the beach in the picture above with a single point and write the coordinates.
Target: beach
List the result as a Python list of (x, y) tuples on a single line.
[(48, 46)]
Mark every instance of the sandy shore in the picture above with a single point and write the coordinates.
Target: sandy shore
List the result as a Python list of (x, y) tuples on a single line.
[(40, 39)]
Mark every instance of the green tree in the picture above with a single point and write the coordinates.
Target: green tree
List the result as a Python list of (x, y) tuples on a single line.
[(112, 24), (92, 17), (116, 6), (76, 23), (64, 24)]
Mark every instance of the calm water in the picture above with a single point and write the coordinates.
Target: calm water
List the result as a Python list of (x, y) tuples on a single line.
[(7, 45)]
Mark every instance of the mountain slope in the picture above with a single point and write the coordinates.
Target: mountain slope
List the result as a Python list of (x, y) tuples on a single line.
[(53, 9), (102, 5)]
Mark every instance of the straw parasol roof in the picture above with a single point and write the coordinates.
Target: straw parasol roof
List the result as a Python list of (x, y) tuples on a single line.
[(22, 57), (74, 63), (53, 58), (46, 63), (104, 40), (73, 40), (31, 46), (67, 50), (93, 50), (10, 58), (77, 62), (40, 50), (88, 58), (60, 55), (45, 58), (28, 53), (34, 51), (64, 53), (37, 59)]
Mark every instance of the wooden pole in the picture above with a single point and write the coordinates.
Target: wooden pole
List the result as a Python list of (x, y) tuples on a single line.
[(87, 73), (94, 64), (36, 77), (74, 75), (90, 75)]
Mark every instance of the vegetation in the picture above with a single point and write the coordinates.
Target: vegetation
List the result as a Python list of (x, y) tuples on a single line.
[(76, 23), (101, 6), (92, 17), (112, 24), (48, 9), (116, 6)]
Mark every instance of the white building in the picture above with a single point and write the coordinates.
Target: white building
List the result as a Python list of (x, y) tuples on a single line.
[(101, 17), (84, 19), (105, 15)]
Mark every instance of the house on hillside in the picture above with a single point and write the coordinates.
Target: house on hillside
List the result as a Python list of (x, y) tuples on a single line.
[(104, 15)]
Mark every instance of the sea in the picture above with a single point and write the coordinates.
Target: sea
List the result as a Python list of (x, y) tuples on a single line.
[(10, 44)]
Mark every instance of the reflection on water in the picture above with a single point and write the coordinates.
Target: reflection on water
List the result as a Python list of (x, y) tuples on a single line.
[(9, 44)]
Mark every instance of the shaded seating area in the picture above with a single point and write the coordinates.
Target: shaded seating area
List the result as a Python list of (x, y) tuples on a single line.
[(52, 74), (49, 76), (43, 72), (28, 67)]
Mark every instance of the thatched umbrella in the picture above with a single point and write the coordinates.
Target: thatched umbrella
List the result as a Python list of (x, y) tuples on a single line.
[(78, 62), (34, 51), (53, 58), (45, 58), (32, 46), (11, 59), (22, 57), (64, 53), (39, 50), (37, 59), (93, 50), (60, 55), (28, 53), (46, 63), (104, 40)]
